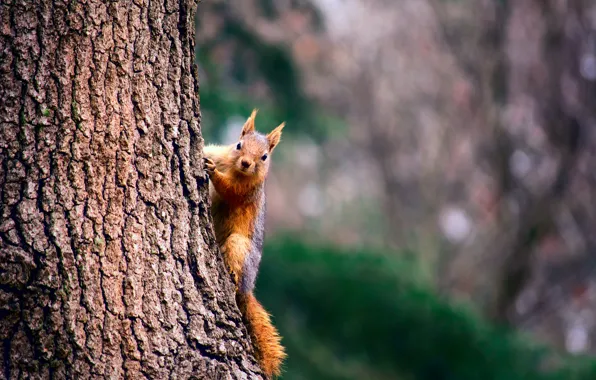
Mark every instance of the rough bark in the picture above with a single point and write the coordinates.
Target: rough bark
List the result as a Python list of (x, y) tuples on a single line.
[(108, 263)]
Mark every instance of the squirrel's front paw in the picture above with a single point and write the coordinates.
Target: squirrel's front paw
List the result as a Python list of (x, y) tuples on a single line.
[(209, 165)]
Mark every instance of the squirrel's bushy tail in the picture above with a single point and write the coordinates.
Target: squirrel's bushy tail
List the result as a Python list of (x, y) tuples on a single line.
[(267, 341)]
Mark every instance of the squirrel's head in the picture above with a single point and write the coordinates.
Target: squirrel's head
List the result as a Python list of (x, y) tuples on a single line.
[(252, 152)]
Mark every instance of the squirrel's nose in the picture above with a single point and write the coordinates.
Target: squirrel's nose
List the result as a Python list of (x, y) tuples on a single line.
[(245, 164)]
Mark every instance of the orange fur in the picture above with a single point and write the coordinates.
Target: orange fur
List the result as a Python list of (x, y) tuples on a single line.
[(270, 352), (238, 173), (235, 248)]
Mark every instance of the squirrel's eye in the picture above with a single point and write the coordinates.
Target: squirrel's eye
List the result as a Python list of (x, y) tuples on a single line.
[(264, 157), (239, 146)]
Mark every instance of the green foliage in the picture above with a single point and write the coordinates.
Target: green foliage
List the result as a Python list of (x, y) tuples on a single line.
[(357, 315)]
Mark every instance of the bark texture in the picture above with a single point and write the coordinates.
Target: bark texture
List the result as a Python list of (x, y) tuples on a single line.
[(108, 265)]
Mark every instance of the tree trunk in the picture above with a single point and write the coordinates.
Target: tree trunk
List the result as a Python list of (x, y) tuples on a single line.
[(108, 265)]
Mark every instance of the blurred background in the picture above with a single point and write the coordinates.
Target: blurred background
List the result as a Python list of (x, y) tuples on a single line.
[(431, 206)]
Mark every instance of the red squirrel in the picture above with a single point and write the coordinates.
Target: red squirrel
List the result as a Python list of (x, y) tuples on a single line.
[(237, 175)]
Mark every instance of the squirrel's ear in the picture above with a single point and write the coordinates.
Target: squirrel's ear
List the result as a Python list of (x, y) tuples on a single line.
[(274, 136), (249, 125)]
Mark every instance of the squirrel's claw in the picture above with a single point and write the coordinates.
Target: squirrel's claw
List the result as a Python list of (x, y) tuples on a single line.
[(234, 275), (235, 278), (209, 165)]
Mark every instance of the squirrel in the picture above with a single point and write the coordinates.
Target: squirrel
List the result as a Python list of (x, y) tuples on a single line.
[(237, 175)]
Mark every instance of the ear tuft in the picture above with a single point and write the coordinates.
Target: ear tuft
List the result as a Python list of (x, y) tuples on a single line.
[(274, 136), (249, 125)]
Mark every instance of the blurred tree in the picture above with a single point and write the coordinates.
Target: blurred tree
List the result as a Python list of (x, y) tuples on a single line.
[(537, 74)]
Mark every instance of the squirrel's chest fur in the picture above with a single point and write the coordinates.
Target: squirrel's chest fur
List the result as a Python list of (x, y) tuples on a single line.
[(228, 218)]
